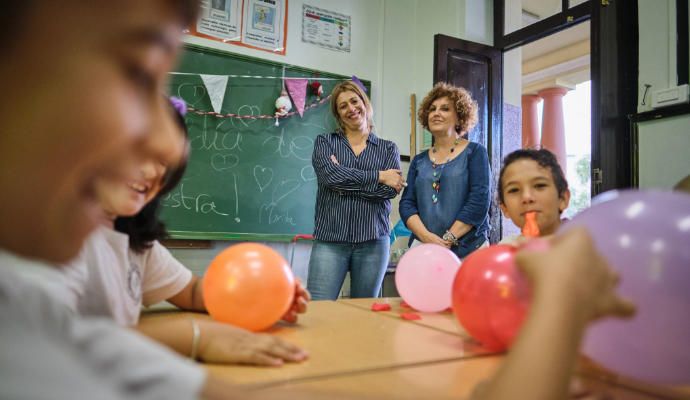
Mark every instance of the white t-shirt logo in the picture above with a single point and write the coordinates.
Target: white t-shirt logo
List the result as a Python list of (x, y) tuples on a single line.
[(134, 281)]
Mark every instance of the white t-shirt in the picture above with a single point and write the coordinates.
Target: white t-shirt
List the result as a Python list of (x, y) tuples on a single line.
[(48, 352), (109, 279)]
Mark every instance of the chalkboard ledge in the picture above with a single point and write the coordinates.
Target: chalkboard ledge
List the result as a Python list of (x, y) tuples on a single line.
[(186, 244), (241, 237)]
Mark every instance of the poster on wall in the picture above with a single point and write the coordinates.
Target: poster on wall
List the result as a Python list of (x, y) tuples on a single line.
[(325, 28), (265, 25), (220, 20)]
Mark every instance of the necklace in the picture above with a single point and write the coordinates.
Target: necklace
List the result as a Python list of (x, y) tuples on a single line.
[(436, 182)]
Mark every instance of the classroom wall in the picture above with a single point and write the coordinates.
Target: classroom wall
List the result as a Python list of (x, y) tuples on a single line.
[(392, 46), (512, 97), (663, 143), (364, 59), (658, 139), (657, 57)]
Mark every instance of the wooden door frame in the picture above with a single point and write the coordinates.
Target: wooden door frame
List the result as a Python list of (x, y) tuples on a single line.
[(612, 142), (615, 59), (569, 16), (494, 139)]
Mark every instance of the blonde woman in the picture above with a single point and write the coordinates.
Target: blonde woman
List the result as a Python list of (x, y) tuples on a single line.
[(358, 173)]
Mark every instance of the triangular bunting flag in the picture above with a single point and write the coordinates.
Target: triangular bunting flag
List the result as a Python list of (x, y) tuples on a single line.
[(359, 83), (297, 88), (215, 86)]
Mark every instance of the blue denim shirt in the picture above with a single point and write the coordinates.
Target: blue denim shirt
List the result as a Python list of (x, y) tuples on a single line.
[(464, 195)]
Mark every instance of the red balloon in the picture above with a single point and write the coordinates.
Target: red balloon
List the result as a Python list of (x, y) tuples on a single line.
[(490, 296), (248, 285)]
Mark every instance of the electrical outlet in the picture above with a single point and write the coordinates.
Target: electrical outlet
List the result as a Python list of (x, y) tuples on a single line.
[(670, 96)]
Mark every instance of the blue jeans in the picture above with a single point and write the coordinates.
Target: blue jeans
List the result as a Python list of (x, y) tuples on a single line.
[(330, 262)]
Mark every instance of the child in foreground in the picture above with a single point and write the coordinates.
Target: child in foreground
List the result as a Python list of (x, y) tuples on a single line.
[(123, 267)]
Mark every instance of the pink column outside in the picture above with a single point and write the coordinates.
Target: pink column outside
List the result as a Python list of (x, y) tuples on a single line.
[(553, 126), (530, 121)]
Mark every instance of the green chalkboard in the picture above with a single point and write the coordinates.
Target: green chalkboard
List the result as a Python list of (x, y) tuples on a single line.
[(246, 178)]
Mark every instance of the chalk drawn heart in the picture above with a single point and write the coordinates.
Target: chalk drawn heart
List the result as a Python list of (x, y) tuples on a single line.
[(308, 173), (263, 176), (301, 147), (283, 189), (248, 110), (221, 162), (194, 94)]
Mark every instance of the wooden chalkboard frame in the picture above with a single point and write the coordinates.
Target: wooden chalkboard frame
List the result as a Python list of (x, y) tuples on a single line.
[(240, 236)]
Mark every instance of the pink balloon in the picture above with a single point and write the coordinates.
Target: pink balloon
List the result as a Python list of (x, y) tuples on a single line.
[(645, 236), (424, 277)]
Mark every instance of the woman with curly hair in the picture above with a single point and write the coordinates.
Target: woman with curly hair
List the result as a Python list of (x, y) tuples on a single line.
[(448, 195)]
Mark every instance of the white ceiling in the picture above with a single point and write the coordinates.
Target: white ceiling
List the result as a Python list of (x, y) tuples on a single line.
[(556, 41), (542, 8), (546, 8), (537, 10)]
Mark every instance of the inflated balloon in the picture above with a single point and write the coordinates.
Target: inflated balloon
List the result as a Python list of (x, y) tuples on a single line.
[(645, 236), (424, 277), (248, 285), (490, 297), (507, 311)]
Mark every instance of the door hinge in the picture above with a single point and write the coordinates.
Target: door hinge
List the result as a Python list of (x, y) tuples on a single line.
[(597, 179)]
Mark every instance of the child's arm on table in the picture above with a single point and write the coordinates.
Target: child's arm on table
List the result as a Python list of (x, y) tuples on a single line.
[(220, 343)]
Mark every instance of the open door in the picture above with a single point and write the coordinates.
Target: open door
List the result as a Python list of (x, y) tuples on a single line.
[(479, 69), (614, 93)]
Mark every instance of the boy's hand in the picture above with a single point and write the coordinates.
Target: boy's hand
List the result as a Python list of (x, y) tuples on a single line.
[(299, 303)]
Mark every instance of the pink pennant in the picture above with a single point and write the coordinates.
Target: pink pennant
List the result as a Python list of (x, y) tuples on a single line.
[(297, 88)]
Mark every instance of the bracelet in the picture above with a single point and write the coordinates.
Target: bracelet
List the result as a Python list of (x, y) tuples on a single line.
[(196, 338), (450, 237)]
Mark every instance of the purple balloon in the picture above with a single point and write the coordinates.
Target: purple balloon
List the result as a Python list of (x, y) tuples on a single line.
[(645, 236)]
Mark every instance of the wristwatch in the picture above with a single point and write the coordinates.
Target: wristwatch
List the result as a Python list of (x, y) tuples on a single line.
[(449, 237)]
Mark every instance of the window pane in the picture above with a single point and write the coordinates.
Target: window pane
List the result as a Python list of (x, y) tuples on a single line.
[(573, 3), (522, 13)]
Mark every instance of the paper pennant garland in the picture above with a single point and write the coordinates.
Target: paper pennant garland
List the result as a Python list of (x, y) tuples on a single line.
[(359, 83), (215, 86), (297, 88)]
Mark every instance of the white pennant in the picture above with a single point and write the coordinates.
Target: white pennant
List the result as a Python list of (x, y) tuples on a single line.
[(215, 86)]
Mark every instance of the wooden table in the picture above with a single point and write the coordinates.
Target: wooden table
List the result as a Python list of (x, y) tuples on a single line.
[(441, 381), (443, 321), (344, 339), (357, 352)]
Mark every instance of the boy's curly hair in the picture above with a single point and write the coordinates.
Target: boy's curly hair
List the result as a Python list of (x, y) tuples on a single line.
[(466, 108)]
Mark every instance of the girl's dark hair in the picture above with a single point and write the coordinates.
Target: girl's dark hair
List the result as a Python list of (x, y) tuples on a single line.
[(544, 158), (145, 227)]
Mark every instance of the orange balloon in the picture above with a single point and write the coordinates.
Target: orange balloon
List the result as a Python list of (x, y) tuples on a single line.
[(248, 285)]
